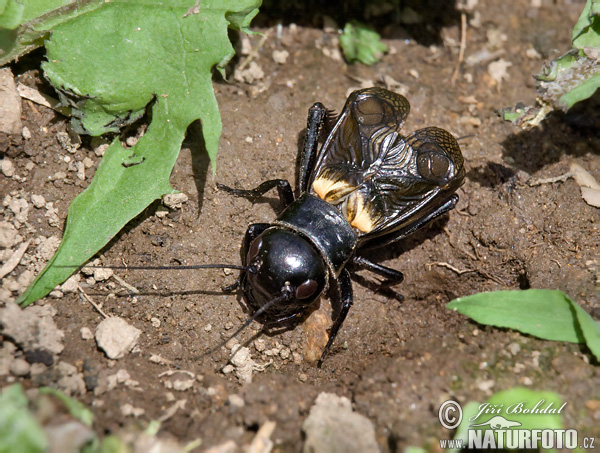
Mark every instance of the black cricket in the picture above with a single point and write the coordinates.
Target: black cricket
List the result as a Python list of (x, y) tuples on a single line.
[(365, 187)]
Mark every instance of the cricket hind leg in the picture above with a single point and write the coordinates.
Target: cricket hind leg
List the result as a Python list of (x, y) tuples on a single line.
[(317, 116), (284, 190)]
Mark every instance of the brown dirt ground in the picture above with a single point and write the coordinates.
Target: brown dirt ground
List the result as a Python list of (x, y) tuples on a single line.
[(395, 359)]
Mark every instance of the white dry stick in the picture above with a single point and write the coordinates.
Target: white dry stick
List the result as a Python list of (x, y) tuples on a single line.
[(262, 442), (180, 404), (14, 260), (463, 45), (126, 285), (34, 95), (89, 299), (449, 266), (590, 188)]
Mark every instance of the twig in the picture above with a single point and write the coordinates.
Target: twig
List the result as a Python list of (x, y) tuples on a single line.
[(449, 266), (89, 299), (172, 372), (40, 98), (262, 441), (126, 285), (194, 9), (469, 254), (172, 410), (254, 53), (14, 260), (561, 178), (463, 45)]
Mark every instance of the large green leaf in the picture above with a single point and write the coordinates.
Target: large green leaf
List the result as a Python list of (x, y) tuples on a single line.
[(112, 62), (546, 314), (24, 24)]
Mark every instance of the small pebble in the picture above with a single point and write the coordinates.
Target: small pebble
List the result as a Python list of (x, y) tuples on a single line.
[(260, 345), (80, 171), (20, 367), (58, 176), (280, 56), (131, 141), (228, 369), (38, 201), (514, 348), (26, 133), (7, 167), (9, 236), (174, 200), (116, 337), (86, 333), (236, 401), (100, 150)]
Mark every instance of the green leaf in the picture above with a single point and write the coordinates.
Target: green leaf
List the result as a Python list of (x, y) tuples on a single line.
[(75, 408), (586, 32), (25, 24), (360, 42), (11, 14), (580, 92), (546, 314), (415, 450), (532, 409), (570, 78), (112, 444), (19, 430), (462, 431), (111, 63)]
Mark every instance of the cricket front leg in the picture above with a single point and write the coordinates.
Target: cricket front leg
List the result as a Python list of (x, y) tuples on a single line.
[(344, 284)]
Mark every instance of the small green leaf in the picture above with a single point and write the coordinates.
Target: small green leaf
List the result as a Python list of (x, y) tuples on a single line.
[(112, 444), (586, 32), (19, 430), (415, 450), (75, 408), (11, 14), (546, 314), (572, 77), (360, 42), (531, 409), (580, 92), (534, 409), (462, 432)]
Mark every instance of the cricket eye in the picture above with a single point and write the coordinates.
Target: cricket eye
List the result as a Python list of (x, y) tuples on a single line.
[(433, 165), (306, 289)]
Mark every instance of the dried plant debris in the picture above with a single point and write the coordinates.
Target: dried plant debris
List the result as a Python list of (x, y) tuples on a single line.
[(571, 78)]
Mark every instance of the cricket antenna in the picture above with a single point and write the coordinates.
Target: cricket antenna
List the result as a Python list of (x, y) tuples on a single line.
[(248, 321), (465, 137), (158, 268)]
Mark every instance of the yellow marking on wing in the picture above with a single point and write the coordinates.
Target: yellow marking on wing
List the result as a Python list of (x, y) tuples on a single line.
[(357, 213), (330, 190)]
